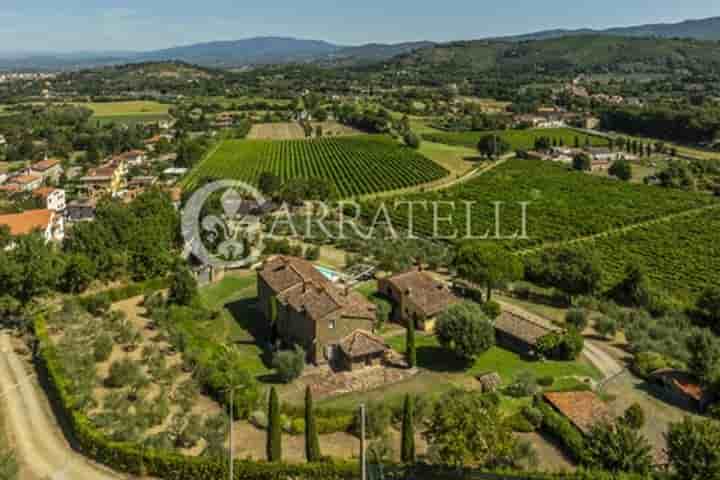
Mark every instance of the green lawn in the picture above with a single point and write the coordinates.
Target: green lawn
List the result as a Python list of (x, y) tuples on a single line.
[(141, 107), (238, 324), (433, 357)]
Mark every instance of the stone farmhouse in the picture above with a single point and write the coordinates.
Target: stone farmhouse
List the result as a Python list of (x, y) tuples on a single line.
[(417, 297), (331, 323)]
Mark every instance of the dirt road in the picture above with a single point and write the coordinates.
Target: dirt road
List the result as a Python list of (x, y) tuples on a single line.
[(42, 450)]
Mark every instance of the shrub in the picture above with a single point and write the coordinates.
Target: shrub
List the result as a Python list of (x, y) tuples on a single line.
[(290, 364), (378, 416), (297, 426), (520, 424), (634, 416), (259, 419), (606, 326), (644, 363), (559, 427), (102, 347), (546, 381), (565, 346), (533, 415), (123, 373), (524, 385), (98, 304), (492, 309), (577, 318)]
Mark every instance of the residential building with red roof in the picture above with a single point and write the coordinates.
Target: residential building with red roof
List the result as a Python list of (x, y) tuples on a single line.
[(583, 409), (54, 198), (48, 223)]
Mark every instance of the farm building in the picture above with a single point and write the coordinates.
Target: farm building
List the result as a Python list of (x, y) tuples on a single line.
[(682, 389), (583, 409), (361, 349), (416, 296), (304, 308), (519, 334)]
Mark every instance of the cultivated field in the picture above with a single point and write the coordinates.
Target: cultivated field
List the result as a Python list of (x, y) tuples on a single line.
[(518, 139), (563, 204), (681, 254), (130, 112), (293, 131), (357, 165)]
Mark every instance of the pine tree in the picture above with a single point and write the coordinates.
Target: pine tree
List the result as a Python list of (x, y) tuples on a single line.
[(407, 448), (410, 352), (274, 432), (312, 444)]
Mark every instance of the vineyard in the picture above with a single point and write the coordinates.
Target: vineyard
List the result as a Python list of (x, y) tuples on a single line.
[(357, 165), (518, 139), (563, 204), (681, 255)]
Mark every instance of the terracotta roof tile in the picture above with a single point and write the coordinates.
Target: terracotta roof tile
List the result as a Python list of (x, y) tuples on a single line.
[(430, 295), (583, 409), (27, 222), (45, 164), (522, 328), (361, 343)]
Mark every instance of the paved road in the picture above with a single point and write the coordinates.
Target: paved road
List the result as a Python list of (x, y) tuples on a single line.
[(42, 450)]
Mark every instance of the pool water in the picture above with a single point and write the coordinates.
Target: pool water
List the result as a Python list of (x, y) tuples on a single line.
[(331, 275)]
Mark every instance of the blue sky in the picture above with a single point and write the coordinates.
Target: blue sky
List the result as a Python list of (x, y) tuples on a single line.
[(71, 25)]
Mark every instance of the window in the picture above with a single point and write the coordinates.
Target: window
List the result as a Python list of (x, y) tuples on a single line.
[(331, 325)]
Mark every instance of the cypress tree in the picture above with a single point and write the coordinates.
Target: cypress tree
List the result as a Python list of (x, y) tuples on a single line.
[(407, 448), (312, 444), (410, 353), (274, 432)]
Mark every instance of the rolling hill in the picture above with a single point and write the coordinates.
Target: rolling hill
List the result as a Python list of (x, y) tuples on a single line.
[(579, 53), (701, 29)]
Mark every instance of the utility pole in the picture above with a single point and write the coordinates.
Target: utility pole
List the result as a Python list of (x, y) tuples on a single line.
[(363, 459), (232, 411)]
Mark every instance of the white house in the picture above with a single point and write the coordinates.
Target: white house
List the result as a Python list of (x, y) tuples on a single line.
[(54, 198)]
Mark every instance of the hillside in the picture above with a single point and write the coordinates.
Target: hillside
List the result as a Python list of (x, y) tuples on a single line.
[(701, 29), (581, 53)]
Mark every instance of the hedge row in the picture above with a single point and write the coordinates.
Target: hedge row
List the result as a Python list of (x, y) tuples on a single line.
[(128, 291), (130, 458), (559, 427)]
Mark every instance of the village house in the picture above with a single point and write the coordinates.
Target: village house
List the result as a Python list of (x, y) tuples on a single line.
[(50, 224), (417, 297), (49, 169), (602, 157), (304, 308), (519, 334), (583, 409), (104, 180), (682, 389), (81, 210), (132, 158), (24, 183), (53, 198), (361, 349)]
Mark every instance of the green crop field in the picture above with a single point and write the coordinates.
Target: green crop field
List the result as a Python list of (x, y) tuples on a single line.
[(563, 204), (357, 165), (108, 109), (518, 139), (681, 255)]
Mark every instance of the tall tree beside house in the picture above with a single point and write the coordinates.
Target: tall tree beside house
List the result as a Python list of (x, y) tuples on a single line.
[(274, 432), (582, 162), (183, 286), (410, 350), (407, 448), (487, 264), (312, 443)]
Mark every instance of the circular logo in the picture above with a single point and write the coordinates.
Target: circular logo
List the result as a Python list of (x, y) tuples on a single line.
[(221, 224)]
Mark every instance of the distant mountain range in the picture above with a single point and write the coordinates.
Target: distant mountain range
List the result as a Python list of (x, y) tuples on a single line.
[(280, 50), (236, 53), (702, 29)]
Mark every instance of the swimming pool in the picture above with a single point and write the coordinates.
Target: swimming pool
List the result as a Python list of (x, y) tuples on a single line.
[(331, 275)]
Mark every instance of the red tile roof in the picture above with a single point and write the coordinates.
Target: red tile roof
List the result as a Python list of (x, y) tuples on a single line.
[(27, 222), (45, 164), (430, 295), (25, 179), (43, 192), (361, 343), (683, 381), (583, 409)]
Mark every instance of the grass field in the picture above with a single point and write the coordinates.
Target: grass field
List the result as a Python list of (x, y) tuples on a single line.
[(563, 204), (457, 160), (130, 112), (518, 139), (356, 165)]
